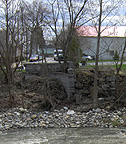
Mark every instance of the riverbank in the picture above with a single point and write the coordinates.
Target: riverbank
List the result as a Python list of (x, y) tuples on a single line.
[(65, 118)]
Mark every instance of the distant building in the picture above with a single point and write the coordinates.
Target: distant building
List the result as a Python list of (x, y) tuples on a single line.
[(112, 39), (49, 50)]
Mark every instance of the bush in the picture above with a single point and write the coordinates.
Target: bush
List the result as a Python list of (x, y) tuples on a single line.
[(116, 56)]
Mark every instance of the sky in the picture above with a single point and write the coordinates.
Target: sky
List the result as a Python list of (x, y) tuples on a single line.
[(119, 16)]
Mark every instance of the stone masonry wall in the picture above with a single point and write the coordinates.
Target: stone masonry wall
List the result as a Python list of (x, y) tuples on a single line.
[(55, 71), (78, 83), (85, 80)]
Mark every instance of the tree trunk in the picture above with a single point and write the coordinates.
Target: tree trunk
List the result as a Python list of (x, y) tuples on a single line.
[(95, 94)]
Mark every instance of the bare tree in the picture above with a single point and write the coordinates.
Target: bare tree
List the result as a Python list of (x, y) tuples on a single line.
[(104, 12), (95, 96), (53, 23), (12, 45), (35, 14), (70, 16)]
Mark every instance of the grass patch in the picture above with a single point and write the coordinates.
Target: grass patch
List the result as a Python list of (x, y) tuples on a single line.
[(23, 70), (92, 61), (114, 66), (109, 66), (123, 66)]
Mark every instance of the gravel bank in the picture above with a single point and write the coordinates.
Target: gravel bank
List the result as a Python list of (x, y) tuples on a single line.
[(22, 118)]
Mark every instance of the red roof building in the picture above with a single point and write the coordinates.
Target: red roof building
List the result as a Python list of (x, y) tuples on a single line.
[(112, 39), (106, 31)]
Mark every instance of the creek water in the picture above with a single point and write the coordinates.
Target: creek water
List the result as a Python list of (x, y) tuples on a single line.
[(63, 136)]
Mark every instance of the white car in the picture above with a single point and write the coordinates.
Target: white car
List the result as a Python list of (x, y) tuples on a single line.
[(87, 57)]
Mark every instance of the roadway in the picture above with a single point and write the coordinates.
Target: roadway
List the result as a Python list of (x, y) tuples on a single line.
[(51, 60)]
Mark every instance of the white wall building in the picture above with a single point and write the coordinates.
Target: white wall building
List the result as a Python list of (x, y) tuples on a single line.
[(112, 39)]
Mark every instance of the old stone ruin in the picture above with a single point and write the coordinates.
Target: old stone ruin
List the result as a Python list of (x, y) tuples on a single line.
[(55, 71), (78, 83)]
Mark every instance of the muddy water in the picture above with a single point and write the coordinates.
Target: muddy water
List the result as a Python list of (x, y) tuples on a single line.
[(63, 136)]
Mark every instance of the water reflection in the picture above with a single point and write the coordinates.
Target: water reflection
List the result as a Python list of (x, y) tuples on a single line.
[(63, 136)]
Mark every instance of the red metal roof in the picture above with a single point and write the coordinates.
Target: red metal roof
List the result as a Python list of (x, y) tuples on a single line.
[(106, 31)]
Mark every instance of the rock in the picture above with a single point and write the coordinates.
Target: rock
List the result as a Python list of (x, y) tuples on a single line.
[(61, 118), (98, 110), (47, 122), (34, 117), (119, 113), (77, 122), (65, 108), (1, 127), (41, 115), (42, 124), (22, 110), (17, 113), (9, 114), (36, 105), (67, 117), (70, 112), (101, 100), (29, 119)]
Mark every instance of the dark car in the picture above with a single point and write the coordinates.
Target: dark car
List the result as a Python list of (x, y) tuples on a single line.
[(60, 54)]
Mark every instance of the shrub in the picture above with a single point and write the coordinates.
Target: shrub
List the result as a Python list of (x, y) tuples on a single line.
[(116, 56)]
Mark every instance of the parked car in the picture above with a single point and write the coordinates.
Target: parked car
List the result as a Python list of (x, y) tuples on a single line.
[(34, 57), (88, 57), (60, 54)]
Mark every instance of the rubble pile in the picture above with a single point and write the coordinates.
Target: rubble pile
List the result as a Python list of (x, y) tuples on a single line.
[(64, 118)]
